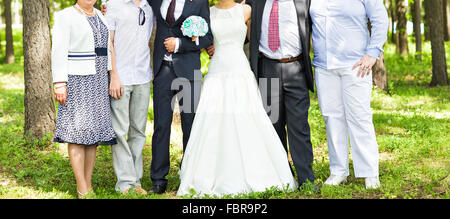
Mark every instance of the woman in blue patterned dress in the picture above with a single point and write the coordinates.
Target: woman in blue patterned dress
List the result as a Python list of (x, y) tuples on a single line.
[(80, 64)]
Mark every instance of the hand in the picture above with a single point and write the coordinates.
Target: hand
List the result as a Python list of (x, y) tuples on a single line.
[(194, 38), (115, 88), (61, 94), (211, 49), (104, 9), (365, 65), (170, 44)]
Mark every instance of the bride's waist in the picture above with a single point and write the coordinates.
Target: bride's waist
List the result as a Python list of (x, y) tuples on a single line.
[(229, 52), (228, 45)]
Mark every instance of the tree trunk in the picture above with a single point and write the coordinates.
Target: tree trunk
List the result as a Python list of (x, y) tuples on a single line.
[(39, 101), (425, 21), (440, 76), (446, 14), (1, 22), (379, 76), (402, 35), (417, 20), (1, 47), (392, 11), (9, 57)]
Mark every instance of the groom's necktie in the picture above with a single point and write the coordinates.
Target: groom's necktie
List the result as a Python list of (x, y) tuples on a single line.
[(274, 28), (170, 18)]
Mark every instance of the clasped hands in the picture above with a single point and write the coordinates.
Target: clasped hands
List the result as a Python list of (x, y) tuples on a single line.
[(171, 43)]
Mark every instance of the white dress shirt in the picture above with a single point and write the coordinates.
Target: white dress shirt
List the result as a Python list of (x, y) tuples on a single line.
[(290, 44), (340, 34), (131, 40), (178, 11)]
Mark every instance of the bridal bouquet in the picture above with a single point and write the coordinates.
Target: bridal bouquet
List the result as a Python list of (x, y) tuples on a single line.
[(194, 27)]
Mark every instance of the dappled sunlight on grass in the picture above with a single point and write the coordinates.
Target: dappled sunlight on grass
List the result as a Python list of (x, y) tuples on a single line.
[(10, 189), (12, 82)]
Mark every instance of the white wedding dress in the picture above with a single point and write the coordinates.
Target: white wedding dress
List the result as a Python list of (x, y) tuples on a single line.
[(233, 147)]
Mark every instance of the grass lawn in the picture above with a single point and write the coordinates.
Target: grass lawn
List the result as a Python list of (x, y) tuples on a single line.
[(412, 124)]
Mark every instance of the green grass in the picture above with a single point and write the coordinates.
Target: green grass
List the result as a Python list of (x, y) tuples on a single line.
[(411, 123)]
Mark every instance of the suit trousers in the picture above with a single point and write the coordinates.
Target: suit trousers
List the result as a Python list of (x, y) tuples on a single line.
[(288, 97), (164, 92), (344, 100), (129, 119)]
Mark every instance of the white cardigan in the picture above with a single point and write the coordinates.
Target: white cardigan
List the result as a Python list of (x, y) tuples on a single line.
[(72, 35)]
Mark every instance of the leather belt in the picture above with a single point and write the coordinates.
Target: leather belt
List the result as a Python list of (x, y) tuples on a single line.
[(287, 60), (168, 63)]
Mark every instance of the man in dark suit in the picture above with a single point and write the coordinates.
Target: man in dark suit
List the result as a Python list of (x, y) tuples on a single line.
[(176, 58), (279, 49)]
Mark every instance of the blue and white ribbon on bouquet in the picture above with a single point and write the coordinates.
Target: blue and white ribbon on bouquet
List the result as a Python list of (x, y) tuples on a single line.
[(195, 26)]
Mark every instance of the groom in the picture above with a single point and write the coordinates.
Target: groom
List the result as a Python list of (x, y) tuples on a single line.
[(176, 58), (279, 49)]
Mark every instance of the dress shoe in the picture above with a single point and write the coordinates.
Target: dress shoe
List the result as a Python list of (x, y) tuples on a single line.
[(334, 180), (159, 189), (372, 183), (140, 190)]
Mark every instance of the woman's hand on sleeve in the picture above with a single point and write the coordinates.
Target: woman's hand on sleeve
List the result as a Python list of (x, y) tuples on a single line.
[(61, 93)]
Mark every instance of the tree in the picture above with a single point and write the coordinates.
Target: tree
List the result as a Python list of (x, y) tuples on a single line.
[(446, 13), (417, 20), (435, 20), (9, 57), (379, 76), (1, 22), (392, 16), (39, 101), (402, 35), (425, 22)]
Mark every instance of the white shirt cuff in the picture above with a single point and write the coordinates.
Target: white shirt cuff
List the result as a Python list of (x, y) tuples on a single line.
[(177, 45)]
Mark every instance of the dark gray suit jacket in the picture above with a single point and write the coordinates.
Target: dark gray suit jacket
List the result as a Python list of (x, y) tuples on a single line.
[(304, 22), (187, 59)]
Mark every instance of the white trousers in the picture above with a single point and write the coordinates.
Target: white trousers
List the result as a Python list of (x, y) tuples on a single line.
[(344, 101)]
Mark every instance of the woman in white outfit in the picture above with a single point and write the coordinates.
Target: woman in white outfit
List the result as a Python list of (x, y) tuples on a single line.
[(233, 147), (344, 53)]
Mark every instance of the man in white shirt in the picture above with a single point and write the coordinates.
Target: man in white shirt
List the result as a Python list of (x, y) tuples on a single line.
[(131, 25)]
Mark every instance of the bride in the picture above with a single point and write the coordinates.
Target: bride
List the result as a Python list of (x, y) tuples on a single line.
[(233, 147)]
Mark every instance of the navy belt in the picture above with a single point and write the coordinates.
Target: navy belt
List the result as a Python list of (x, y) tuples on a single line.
[(101, 51), (88, 55)]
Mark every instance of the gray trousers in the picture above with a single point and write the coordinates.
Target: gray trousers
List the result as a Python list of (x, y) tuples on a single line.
[(129, 119), (292, 104)]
